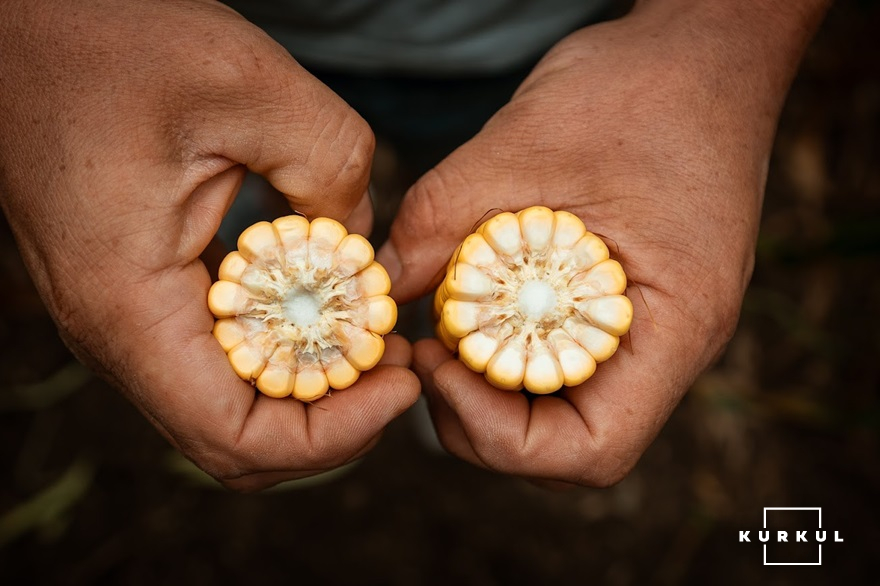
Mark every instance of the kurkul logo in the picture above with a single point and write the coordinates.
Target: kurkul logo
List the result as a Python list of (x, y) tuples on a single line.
[(816, 536)]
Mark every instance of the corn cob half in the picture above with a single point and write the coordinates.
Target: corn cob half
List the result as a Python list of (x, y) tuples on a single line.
[(301, 307), (533, 300)]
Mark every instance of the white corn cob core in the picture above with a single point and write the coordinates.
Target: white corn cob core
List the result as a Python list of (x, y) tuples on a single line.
[(533, 300), (301, 307)]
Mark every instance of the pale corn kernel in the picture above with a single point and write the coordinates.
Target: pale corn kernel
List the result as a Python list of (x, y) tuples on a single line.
[(248, 360), (543, 373), (373, 281), (293, 231), (353, 255), (232, 267), (228, 299), (504, 235), (588, 251), (255, 240), (600, 344), (325, 235), (276, 381), (311, 383), (440, 298), (568, 230), (340, 373), (476, 349), (450, 341), (468, 283), (577, 364), (507, 366), (532, 299), (229, 332), (612, 314), (460, 317), (606, 278), (381, 314), (537, 225), (364, 348), (301, 307), (475, 251)]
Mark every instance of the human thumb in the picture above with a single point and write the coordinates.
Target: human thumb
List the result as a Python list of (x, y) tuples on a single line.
[(437, 213), (273, 116)]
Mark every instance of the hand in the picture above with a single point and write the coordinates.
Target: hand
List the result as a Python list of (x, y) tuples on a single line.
[(127, 129), (656, 130)]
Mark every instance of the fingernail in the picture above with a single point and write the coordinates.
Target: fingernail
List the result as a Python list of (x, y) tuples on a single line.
[(388, 258)]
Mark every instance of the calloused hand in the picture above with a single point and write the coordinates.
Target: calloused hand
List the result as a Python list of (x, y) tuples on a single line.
[(655, 130), (127, 128)]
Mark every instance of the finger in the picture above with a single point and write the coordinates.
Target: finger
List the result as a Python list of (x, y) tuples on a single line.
[(284, 124), (439, 211), (360, 220), (331, 431), (263, 480), (398, 351), (213, 255), (433, 219), (552, 485), (429, 355), (592, 434)]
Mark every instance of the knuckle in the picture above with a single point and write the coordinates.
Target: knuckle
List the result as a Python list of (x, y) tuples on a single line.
[(607, 476), (608, 459), (359, 145), (342, 149), (222, 463)]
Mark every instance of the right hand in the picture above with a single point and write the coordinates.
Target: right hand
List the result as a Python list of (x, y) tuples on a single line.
[(127, 128)]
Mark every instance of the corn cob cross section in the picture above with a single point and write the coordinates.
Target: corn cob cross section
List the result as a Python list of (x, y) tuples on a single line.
[(533, 300), (301, 307)]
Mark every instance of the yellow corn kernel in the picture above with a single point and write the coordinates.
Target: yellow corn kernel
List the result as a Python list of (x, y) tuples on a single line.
[(229, 332), (476, 349), (381, 314), (254, 241), (504, 235), (353, 254), (533, 300), (286, 303), (468, 283), (311, 383), (537, 224), (232, 267), (277, 380), (576, 362), (340, 373), (507, 366), (543, 373), (373, 281), (228, 299)]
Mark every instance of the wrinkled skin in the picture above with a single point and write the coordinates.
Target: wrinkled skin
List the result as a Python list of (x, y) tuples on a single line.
[(659, 139), (122, 150), (124, 144)]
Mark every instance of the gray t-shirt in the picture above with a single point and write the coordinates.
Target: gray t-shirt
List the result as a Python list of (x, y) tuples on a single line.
[(423, 37)]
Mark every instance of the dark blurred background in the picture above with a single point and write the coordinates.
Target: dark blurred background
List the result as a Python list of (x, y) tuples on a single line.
[(788, 418)]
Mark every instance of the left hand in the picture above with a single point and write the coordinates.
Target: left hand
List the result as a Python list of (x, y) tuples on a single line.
[(659, 139)]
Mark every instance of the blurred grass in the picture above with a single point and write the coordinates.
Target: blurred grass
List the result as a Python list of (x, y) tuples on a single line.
[(48, 511)]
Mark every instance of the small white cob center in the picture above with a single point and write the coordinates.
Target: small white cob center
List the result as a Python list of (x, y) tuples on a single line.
[(302, 308), (536, 299)]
